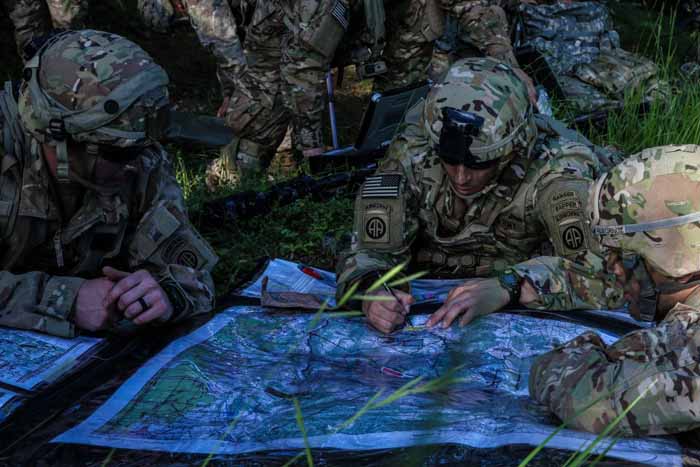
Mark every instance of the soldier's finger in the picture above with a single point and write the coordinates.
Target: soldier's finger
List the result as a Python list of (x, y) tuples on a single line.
[(151, 314), (381, 325), (454, 310), (437, 316), (130, 297), (113, 273), (390, 315), (467, 318), (406, 302), (453, 293), (121, 287), (391, 306)]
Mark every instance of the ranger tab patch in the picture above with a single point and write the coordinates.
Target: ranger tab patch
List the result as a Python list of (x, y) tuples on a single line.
[(381, 186)]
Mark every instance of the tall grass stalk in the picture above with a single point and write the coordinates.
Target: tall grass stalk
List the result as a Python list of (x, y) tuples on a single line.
[(300, 423)]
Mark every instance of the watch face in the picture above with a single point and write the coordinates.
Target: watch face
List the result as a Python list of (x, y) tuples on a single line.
[(510, 280)]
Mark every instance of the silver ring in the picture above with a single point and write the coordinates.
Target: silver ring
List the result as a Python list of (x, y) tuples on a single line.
[(144, 305)]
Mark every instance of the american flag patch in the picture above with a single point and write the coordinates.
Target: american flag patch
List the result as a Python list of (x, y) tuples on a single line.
[(340, 13), (381, 186)]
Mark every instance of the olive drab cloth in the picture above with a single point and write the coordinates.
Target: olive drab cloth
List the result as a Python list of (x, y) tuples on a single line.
[(663, 363), (34, 18), (408, 211), (141, 225), (583, 51)]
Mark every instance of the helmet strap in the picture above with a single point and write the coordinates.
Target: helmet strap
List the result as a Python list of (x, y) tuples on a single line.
[(59, 136), (62, 165), (673, 287)]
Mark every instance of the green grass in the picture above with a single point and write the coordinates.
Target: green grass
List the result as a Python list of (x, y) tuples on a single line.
[(296, 232)]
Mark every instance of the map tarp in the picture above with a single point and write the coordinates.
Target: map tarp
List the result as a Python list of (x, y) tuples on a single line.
[(229, 388), (29, 360)]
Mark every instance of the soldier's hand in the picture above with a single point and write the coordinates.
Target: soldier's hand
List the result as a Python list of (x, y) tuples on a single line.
[(386, 313), (474, 298), (221, 113), (91, 314), (138, 295)]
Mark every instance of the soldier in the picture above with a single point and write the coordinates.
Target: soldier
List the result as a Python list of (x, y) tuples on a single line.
[(92, 222), (416, 24), (648, 205), (218, 26), (36, 18), (288, 48), (469, 189)]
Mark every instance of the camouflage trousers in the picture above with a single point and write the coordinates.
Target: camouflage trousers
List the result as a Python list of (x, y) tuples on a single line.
[(284, 80), (32, 18), (412, 54), (662, 365)]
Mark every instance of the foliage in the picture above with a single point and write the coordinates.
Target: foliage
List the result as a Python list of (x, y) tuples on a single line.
[(296, 232)]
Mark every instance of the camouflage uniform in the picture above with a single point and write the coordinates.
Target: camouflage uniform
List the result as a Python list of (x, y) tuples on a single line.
[(217, 24), (57, 232), (409, 211), (34, 18), (660, 365), (288, 47), (415, 25), (583, 51)]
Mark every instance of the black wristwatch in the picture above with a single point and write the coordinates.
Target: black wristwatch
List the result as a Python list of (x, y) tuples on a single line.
[(510, 281)]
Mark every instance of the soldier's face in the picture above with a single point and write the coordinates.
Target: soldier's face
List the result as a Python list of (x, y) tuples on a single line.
[(667, 300), (469, 181)]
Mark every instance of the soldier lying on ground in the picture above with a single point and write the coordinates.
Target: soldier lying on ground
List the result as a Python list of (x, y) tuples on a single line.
[(92, 222), (650, 206), (470, 188)]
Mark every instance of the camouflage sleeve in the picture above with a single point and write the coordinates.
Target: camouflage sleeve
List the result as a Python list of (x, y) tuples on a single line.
[(483, 25), (216, 29), (168, 246), (38, 302), (576, 278), (30, 19), (385, 225), (563, 284)]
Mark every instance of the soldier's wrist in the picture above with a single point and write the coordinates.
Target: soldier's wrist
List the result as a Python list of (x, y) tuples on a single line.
[(512, 283)]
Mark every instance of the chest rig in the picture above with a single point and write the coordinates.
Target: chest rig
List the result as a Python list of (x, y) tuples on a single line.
[(491, 234)]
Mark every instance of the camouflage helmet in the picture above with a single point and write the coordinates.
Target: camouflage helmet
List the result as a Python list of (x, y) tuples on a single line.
[(649, 204), (96, 87), (491, 93)]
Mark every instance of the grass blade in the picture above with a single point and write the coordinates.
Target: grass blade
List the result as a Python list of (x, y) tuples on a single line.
[(386, 278), (300, 424)]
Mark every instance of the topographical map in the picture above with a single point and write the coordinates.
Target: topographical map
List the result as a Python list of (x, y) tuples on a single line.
[(230, 387), (29, 360)]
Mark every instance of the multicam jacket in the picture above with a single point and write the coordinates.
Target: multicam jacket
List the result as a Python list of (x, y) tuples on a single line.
[(654, 373), (45, 259), (408, 212)]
